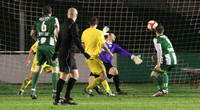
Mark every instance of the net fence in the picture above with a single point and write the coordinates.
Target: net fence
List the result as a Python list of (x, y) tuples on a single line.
[(127, 19)]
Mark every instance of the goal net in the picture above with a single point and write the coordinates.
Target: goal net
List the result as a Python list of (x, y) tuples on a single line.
[(127, 19)]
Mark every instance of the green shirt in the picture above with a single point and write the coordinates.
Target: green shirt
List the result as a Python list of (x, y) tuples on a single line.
[(165, 50), (45, 27)]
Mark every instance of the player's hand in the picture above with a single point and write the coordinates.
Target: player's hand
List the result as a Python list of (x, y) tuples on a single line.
[(153, 58), (136, 59), (105, 30), (158, 67), (54, 57), (27, 62)]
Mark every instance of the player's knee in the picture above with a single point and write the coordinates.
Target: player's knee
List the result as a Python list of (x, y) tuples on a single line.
[(54, 69), (113, 71)]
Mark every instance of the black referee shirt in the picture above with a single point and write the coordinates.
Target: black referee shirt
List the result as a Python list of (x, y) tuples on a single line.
[(68, 38)]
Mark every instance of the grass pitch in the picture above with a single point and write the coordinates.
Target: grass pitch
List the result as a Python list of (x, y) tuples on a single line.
[(138, 98)]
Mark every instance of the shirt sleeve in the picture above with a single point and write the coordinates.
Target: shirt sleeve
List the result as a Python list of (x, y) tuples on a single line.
[(75, 35), (158, 48), (121, 51), (34, 26), (56, 25), (82, 38), (102, 38), (34, 46)]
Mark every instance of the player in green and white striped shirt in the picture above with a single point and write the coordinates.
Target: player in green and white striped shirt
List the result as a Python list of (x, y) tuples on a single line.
[(166, 60), (46, 28)]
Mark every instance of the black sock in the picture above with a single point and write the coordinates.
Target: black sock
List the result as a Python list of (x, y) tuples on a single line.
[(59, 88), (116, 81), (70, 85), (96, 88)]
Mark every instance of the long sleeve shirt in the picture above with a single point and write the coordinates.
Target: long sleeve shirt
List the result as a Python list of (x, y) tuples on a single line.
[(68, 38), (114, 48)]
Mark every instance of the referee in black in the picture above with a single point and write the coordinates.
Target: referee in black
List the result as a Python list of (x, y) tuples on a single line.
[(68, 39)]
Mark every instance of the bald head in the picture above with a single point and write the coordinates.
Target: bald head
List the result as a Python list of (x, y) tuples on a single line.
[(72, 13)]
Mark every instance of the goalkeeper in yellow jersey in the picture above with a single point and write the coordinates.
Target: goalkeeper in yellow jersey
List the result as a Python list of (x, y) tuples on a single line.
[(46, 68), (93, 41)]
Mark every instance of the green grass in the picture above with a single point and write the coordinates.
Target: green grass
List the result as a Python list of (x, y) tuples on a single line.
[(139, 97)]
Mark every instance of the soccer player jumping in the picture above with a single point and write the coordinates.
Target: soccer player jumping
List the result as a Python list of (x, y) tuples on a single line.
[(166, 60)]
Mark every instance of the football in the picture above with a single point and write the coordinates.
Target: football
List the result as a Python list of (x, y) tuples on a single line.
[(152, 25)]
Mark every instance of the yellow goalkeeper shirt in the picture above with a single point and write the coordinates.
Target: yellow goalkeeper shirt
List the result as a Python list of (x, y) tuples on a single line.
[(93, 39)]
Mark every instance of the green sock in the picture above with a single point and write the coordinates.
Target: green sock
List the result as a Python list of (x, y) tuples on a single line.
[(165, 81), (34, 81), (156, 81), (54, 81)]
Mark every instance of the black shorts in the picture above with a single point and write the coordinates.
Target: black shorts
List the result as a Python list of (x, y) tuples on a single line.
[(67, 62), (91, 74), (107, 66)]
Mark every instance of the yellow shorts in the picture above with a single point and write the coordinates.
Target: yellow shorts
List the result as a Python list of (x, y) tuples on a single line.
[(96, 65), (46, 68)]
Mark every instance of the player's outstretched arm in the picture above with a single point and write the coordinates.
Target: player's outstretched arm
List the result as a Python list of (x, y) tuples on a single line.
[(125, 53)]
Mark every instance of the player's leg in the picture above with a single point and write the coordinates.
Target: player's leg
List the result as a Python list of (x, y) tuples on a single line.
[(34, 82), (96, 88), (54, 80), (96, 67), (104, 83), (60, 84), (165, 82), (114, 72), (167, 68), (26, 82), (49, 51), (74, 75), (157, 82), (97, 81), (107, 88), (40, 61)]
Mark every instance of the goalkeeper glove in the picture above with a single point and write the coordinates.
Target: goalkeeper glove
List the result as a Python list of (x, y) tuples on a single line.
[(105, 30), (55, 55), (136, 59)]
